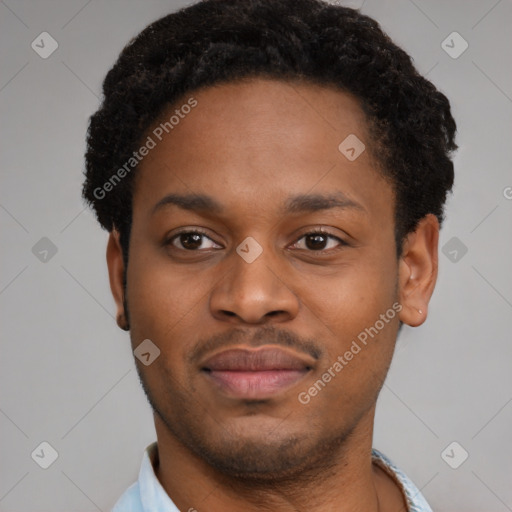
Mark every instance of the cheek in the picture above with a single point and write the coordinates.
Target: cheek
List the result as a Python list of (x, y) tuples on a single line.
[(163, 307), (357, 358), (162, 300), (355, 307), (352, 299)]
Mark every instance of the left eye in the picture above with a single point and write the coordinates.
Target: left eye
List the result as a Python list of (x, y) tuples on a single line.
[(319, 241)]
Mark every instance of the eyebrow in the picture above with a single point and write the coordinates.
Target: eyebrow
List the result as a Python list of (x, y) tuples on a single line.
[(318, 202), (303, 203), (193, 202)]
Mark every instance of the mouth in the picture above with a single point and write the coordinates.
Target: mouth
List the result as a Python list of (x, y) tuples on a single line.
[(256, 374)]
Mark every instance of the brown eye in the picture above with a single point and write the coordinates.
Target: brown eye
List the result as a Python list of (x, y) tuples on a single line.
[(191, 241), (316, 242), (319, 241)]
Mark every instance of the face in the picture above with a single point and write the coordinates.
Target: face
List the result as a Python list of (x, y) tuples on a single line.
[(263, 266)]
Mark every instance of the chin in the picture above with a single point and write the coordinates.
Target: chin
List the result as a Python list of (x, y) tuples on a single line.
[(257, 460), (263, 452)]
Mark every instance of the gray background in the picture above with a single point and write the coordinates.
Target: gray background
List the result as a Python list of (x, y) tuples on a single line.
[(67, 372)]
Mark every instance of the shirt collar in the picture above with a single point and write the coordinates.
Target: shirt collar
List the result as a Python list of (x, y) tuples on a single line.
[(152, 495), (413, 497)]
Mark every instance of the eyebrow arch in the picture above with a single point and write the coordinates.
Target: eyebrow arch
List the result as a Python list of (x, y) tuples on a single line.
[(317, 202), (295, 204), (193, 202)]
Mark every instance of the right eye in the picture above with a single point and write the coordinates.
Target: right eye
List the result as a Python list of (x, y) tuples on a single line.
[(191, 240)]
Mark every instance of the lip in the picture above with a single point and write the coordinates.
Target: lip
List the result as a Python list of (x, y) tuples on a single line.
[(245, 373)]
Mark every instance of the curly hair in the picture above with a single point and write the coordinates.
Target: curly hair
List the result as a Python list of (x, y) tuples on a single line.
[(218, 41)]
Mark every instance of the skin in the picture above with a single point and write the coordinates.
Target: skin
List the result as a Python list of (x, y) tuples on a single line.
[(251, 146)]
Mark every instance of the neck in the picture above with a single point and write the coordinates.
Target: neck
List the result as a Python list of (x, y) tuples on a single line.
[(346, 482)]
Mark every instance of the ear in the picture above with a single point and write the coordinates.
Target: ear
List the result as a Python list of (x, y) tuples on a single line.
[(115, 265), (417, 271)]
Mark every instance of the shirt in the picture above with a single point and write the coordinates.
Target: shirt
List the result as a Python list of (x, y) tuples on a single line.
[(148, 495)]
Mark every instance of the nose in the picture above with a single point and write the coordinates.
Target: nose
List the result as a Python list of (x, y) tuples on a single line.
[(253, 293)]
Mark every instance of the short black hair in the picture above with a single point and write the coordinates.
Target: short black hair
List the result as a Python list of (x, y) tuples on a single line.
[(310, 41)]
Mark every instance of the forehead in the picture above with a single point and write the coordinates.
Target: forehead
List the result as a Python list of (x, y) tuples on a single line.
[(250, 143)]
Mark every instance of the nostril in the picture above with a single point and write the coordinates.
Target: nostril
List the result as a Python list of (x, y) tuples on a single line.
[(274, 313)]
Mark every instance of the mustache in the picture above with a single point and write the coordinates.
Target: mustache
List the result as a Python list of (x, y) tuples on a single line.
[(268, 335)]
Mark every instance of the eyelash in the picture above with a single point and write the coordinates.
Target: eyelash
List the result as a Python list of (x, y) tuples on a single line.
[(318, 231)]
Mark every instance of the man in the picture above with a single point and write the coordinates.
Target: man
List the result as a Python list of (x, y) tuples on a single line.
[(272, 174)]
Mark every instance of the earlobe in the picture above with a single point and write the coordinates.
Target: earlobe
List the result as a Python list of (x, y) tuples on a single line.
[(115, 266), (417, 272)]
